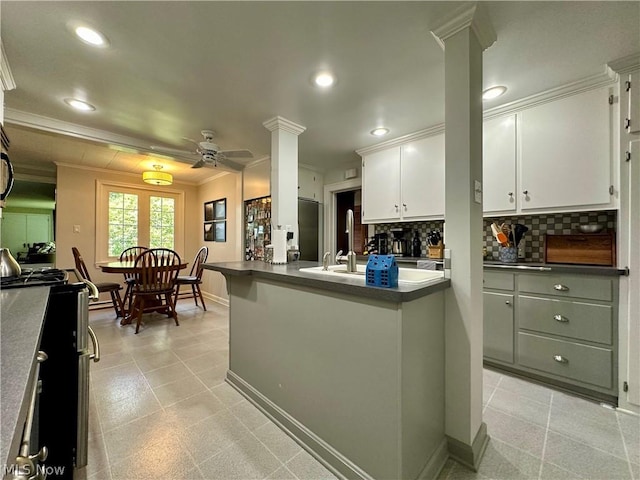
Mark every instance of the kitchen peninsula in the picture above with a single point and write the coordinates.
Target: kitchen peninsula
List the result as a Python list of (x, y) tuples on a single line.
[(355, 373)]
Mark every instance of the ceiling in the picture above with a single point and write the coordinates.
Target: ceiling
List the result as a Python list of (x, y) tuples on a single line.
[(175, 68)]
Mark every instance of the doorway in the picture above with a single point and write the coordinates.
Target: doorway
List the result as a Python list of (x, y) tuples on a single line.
[(349, 200)]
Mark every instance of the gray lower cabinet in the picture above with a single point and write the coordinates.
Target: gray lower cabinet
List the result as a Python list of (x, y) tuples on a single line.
[(554, 327)]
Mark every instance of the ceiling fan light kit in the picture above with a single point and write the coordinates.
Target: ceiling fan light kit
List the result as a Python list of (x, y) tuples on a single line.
[(157, 177)]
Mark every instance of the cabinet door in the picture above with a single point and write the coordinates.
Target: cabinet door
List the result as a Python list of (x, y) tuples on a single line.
[(499, 164), (566, 152), (309, 184), (422, 178), (633, 107), (498, 326), (381, 186)]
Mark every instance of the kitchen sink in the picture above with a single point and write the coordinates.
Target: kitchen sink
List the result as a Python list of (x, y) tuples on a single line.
[(406, 276)]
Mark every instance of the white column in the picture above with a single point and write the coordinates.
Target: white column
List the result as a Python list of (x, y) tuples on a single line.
[(284, 173), (464, 35)]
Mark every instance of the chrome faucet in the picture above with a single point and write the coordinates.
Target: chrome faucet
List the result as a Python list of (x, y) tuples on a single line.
[(350, 257), (325, 260)]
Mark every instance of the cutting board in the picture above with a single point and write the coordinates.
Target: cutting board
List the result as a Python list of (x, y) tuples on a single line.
[(581, 249)]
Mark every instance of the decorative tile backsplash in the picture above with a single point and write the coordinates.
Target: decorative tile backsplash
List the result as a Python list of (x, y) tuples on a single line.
[(533, 240)]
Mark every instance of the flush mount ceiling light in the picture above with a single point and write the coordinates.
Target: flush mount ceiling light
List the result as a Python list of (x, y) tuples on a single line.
[(90, 36), (324, 79), (493, 92), (79, 104), (157, 177), (379, 132)]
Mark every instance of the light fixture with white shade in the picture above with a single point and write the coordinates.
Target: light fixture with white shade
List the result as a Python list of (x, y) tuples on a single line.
[(157, 177), (379, 132), (493, 92)]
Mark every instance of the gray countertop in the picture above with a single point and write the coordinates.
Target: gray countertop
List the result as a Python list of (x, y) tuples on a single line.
[(22, 315), (290, 273), (556, 268)]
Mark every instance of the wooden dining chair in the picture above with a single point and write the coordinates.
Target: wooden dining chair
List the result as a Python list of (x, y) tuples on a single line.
[(156, 272), (112, 287), (194, 278), (129, 255)]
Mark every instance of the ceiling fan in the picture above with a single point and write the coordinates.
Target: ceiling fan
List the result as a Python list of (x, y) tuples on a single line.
[(210, 153)]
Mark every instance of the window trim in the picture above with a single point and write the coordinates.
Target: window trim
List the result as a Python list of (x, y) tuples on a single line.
[(102, 210)]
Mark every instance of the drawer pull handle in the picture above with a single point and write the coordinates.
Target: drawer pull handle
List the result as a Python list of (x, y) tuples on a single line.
[(507, 302), (560, 318), (560, 359), (560, 287)]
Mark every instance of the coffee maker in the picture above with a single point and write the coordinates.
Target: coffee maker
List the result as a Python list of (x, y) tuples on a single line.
[(379, 244), (398, 243)]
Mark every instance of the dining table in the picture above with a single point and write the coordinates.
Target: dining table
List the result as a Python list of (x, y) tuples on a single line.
[(129, 267)]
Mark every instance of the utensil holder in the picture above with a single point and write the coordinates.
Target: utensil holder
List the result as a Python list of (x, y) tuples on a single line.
[(508, 254), (436, 251)]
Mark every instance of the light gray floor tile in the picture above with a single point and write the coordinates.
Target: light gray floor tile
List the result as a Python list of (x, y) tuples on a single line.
[(579, 408), (206, 361), (460, 472), (553, 472), (523, 388), (193, 350), (211, 435), (446, 469), (487, 391), (118, 389), (166, 459), (504, 462), (173, 392), (583, 459), (156, 360), (115, 414), (249, 415), (278, 442), (630, 426), (283, 473), (490, 377), (635, 468), (195, 409), (305, 467), (103, 475), (108, 360), (515, 432), (168, 374), (227, 394), (117, 372), (520, 406), (247, 459), (97, 459), (213, 376)]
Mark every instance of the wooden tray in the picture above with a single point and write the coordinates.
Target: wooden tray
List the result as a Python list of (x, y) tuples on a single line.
[(581, 249)]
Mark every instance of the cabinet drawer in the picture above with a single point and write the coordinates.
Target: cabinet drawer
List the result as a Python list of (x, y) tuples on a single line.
[(584, 363), (583, 321), (594, 288), (501, 281)]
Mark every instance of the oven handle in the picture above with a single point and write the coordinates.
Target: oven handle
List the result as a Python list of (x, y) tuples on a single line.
[(95, 356), (95, 294)]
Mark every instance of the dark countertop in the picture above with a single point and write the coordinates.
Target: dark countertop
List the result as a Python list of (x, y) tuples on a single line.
[(290, 273), (22, 316)]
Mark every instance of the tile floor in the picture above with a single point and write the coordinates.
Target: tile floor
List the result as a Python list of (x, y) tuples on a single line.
[(160, 409)]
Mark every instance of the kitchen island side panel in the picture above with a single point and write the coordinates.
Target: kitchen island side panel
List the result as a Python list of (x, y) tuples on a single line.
[(335, 363)]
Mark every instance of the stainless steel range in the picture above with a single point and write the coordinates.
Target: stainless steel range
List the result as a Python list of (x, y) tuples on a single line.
[(63, 403)]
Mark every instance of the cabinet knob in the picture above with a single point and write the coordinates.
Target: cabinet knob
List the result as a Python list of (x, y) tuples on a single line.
[(404, 205), (561, 288), (507, 302), (560, 318), (560, 359), (511, 194), (525, 192), (396, 205)]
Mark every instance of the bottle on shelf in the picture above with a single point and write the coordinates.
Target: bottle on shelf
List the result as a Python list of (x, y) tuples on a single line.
[(416, 251)]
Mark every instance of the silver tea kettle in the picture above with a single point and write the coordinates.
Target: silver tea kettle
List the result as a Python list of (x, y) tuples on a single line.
[(9, 267)]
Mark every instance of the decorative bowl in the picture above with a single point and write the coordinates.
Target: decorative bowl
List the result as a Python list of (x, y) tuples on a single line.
[(590, 228)]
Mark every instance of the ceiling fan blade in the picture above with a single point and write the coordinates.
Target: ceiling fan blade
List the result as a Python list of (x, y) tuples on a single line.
[(199, 164), (237, 153)]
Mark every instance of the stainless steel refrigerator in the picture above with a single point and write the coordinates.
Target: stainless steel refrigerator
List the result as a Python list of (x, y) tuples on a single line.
[(308, 229)]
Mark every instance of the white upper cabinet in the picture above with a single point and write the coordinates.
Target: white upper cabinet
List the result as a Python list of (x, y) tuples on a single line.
[(566, 153), (381, 186), (499, 164), (422, 178), (404, 183), (310, 184), (633, 107)]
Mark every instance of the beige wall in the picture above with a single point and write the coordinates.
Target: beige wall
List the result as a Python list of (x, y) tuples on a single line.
[(227, 186)]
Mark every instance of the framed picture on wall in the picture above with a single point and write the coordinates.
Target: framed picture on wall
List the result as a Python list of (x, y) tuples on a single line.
[(220, 209), (208, 232), (220, 234), (208, 211)]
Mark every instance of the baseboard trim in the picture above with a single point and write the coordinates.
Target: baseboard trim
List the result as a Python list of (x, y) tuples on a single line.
[(436, 463), (216, 298), (333, 460), (469, 455)]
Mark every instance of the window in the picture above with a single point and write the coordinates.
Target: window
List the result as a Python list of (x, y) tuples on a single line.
[(128, 216)]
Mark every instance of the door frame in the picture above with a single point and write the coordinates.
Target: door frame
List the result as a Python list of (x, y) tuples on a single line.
[(330, 210)]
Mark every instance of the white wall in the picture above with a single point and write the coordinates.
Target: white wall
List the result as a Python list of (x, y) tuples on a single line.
[(337, 174)]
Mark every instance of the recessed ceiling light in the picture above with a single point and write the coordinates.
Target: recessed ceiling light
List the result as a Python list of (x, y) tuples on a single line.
[(379, 132), (493, 92), (79, 105), (91, 36), (324, 79)]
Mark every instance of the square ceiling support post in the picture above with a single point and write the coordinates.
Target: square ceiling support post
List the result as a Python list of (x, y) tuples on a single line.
[(464, 35), (284, 173)]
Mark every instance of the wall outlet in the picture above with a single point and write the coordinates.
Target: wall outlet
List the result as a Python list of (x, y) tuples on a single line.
[(76, 229)]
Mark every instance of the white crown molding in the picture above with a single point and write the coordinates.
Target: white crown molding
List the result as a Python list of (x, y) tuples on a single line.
[(281, 123), (258, 161), (395, 142), (120, 173), (625, 64), (6, 77), (468, 15), (211, 179)]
